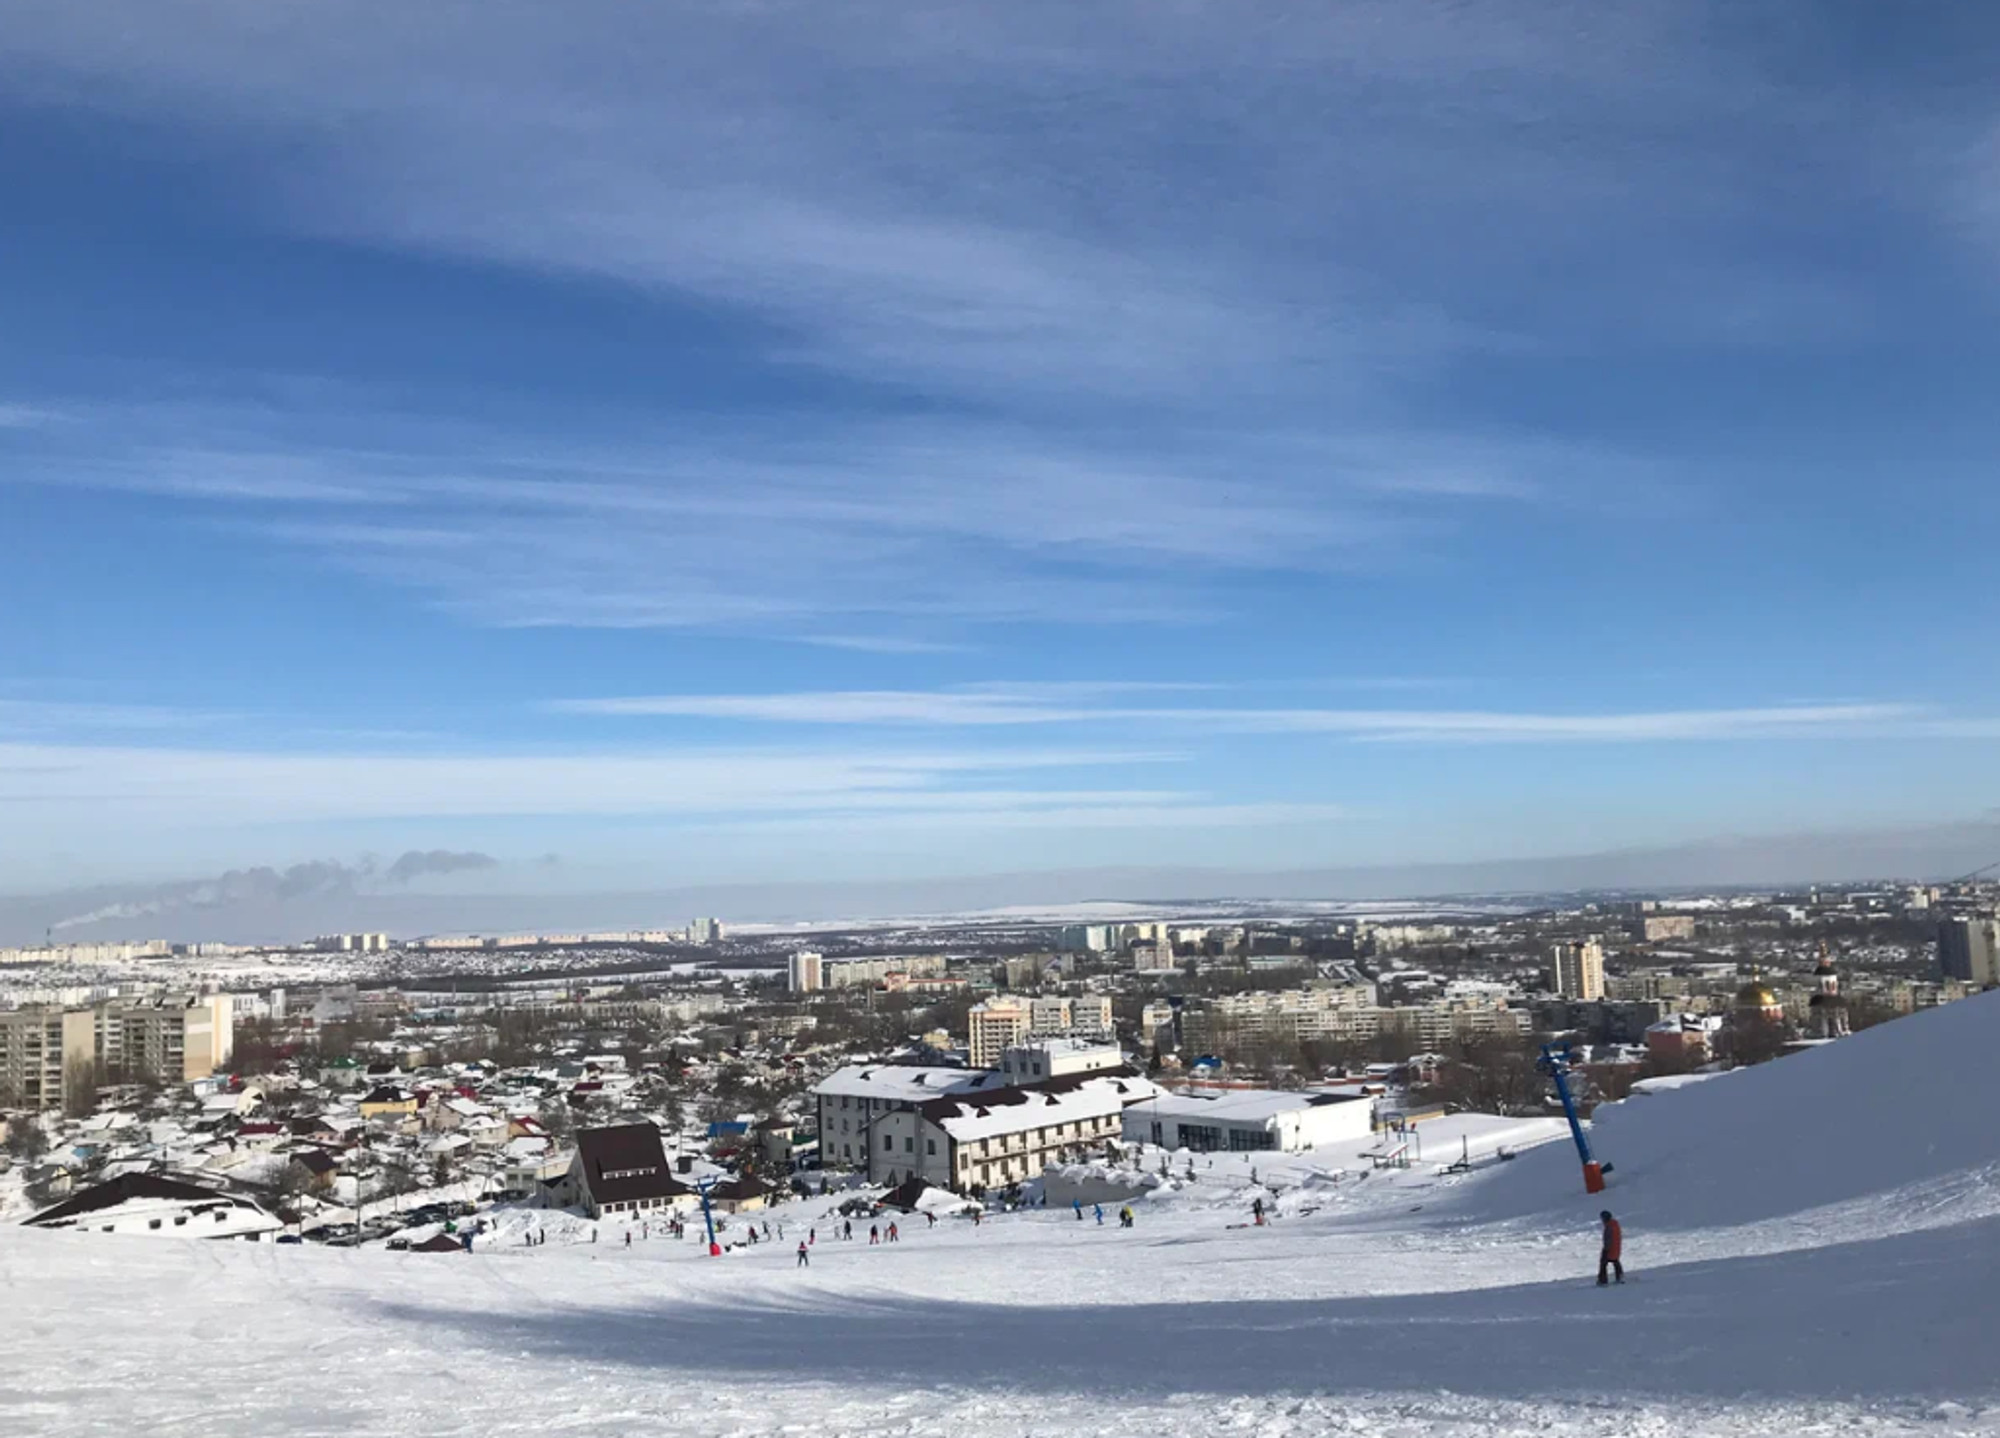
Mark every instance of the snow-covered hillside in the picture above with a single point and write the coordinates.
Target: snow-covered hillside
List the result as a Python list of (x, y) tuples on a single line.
[(1813, 1247)]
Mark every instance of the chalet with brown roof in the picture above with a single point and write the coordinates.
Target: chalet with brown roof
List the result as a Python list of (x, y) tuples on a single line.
[(624, 1169)]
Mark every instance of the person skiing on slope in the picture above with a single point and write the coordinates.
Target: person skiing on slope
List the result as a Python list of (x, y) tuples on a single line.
[(805, 1255), (847, 1228), (874, 1235), (1610, 1258), (1257, 1211), (1077, 1204), (1098, 1209), (892, 1233)]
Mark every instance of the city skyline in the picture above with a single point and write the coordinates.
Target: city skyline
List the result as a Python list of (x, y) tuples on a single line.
[(696, 453)]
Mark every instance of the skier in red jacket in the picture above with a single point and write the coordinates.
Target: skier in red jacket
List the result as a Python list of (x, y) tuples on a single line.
[(1610, 1257)]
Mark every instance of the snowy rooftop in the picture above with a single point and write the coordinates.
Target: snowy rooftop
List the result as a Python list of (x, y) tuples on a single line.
[(971, 1116), (1245, 1105), (903, 1083)]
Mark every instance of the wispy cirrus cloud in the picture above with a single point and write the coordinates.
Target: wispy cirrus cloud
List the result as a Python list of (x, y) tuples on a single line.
[(858, 535), (67, 784), (1228, 360), (1045, 705), (40, 717)]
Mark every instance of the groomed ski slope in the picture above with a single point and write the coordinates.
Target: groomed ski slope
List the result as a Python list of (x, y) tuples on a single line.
[(1813, 1246)]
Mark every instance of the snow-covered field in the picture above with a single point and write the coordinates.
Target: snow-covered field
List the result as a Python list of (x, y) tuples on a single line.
[(1812, 1245)]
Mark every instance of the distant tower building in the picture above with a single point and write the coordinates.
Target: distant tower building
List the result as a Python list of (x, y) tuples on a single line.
[(704, 931), (1829, 1009), (1579, 970), (806, 972), (995, 1026), (1969, 950)]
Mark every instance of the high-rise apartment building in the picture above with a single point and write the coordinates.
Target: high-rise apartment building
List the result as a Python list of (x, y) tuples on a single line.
[(1005, 1020), (1579, 970), (45, 1049), (1969, 950), (39, 1047), (805, 972), (704, 931), (995, 1026)]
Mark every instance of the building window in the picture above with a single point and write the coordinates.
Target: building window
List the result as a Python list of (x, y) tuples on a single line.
[(930, 1145), (888, 1142), (909, 1145)]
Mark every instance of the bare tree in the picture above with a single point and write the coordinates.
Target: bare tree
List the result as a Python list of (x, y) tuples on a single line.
[(80, 1077), (25, 1139)]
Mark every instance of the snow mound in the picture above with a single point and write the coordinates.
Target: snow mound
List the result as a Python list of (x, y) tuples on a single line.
[(1904, 1108)]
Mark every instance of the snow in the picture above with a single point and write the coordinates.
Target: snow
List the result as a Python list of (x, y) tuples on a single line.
[(902, 1083), (1812, 1245)]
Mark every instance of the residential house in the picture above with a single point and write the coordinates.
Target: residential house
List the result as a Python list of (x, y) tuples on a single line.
[(624, 1169), (738, 1195), (389, 1102)]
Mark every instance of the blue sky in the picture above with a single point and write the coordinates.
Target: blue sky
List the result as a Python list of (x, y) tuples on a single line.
[(739, 444)]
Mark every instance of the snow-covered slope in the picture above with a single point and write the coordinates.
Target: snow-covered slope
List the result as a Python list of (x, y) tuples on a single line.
[(1891, 1118), (1812, 1246)]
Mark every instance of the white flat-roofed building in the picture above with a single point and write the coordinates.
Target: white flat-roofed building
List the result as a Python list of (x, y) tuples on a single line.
[(1248, 1120), (1049, 1058)]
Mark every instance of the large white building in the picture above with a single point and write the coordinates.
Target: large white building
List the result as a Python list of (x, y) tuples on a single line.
[(1248, 1120), (851, 1101), (1049, 1058), (978, 1139), (965, 1128)]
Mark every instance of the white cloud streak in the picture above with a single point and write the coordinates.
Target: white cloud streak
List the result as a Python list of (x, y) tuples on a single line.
[(982, 708), (1218, 361), (63, 782)]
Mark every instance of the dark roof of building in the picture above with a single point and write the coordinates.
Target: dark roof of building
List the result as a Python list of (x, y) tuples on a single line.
[(953, 1105), (123, 1189), (314, 1160), (388, 1093), (907, 1194), (438, 1243), (625, 1163), (734, 1190)]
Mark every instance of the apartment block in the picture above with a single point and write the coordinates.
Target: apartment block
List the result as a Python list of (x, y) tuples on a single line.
[(1579, 970), (46, 1047)]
